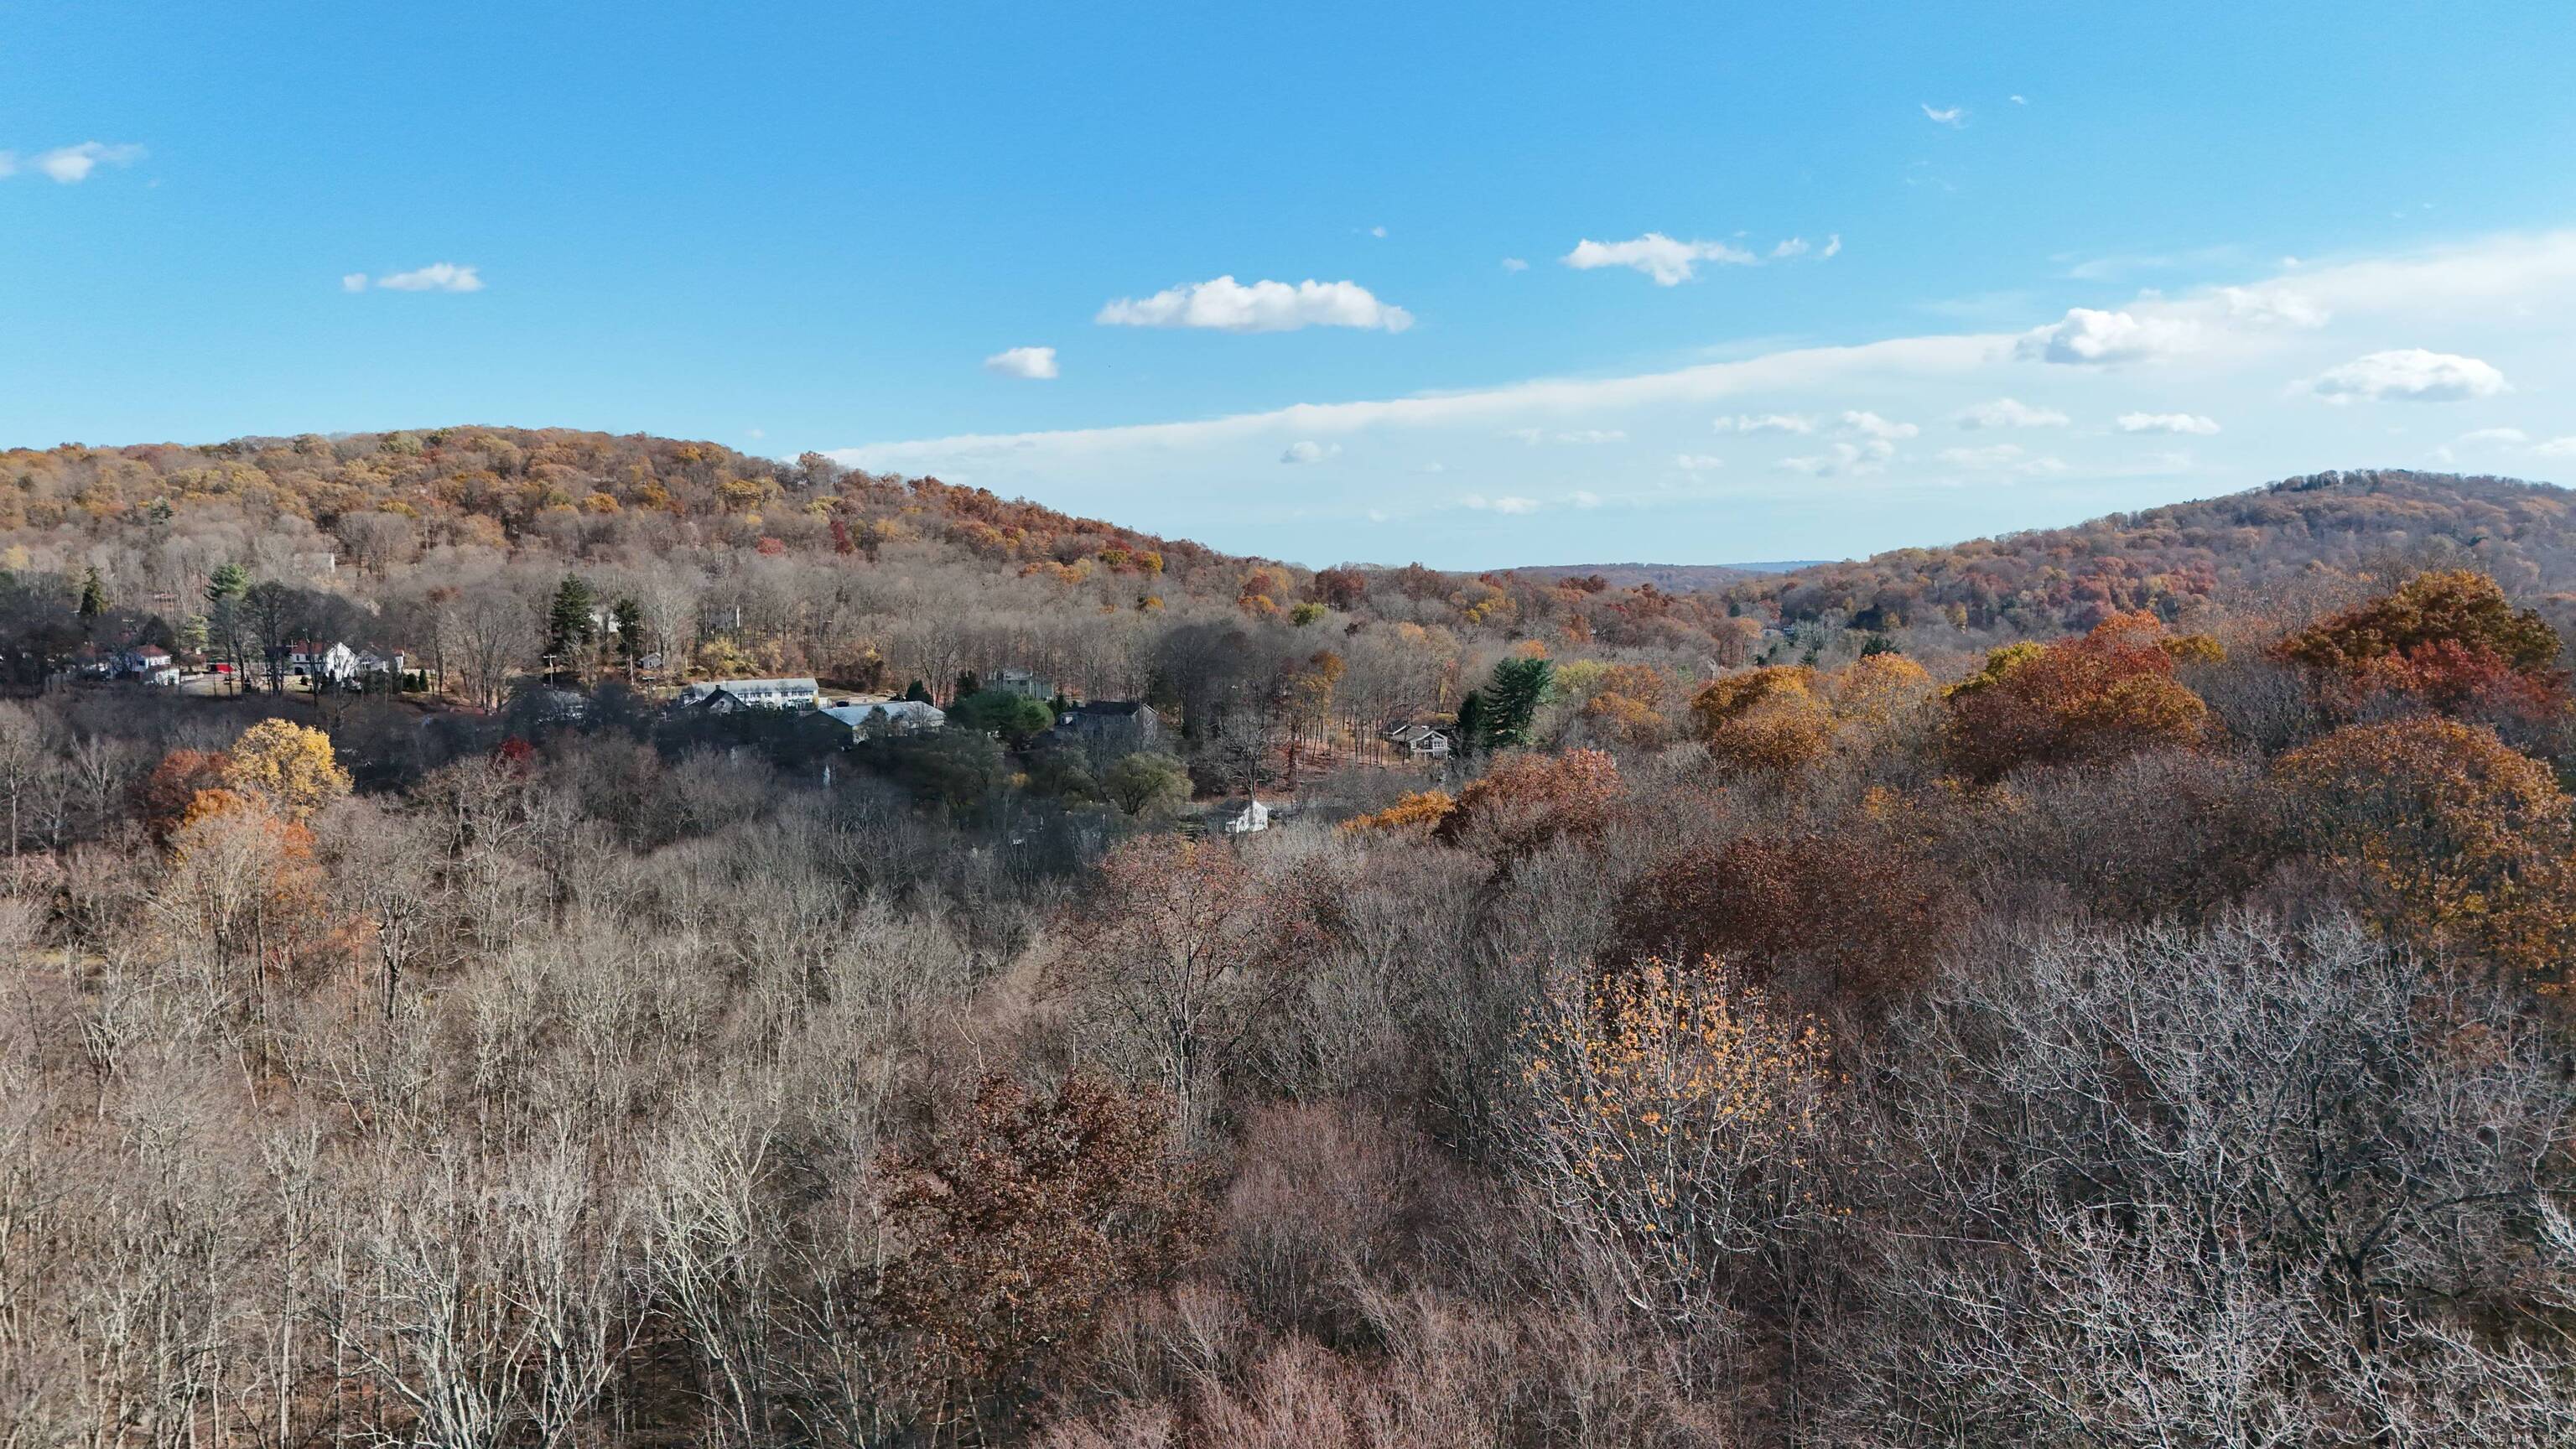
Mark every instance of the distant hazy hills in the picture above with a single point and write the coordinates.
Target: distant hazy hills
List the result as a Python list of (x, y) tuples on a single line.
[(1670, 578)]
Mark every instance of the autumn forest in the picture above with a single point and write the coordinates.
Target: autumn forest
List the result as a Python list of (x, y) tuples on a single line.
[(2099, 986)]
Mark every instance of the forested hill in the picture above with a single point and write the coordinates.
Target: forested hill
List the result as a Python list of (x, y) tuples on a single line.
[(741, 562), (2187, 559)]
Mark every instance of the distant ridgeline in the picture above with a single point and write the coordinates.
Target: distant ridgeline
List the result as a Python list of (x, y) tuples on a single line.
[(799, 567)]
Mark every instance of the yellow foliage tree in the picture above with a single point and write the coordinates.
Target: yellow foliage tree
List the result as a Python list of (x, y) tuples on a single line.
[(2464, 840), (288, 768), (1673, 1115)]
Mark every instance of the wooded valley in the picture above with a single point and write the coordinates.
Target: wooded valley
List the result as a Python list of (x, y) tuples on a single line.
[(2103, 986)]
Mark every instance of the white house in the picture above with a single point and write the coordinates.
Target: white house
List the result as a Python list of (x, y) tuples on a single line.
[(726, 695), (893, 716), (1420, 740), (1252, 817)]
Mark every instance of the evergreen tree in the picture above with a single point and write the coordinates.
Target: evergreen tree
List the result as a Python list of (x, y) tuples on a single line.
[(1512, 697), (225, 624), (1473, 719), (572, 623), (629, 616), (93, 599), (917, 692)]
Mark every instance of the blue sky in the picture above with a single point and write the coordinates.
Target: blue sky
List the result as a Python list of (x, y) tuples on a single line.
[(2310, 236)]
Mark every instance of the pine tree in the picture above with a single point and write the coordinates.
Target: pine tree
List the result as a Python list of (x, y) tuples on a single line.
[(572, 623), (1513, 695), (629, 618), (1474, 716), (93, 599)]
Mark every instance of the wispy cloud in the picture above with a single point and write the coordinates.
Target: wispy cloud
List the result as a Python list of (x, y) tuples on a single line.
[(1515, 264), (1226, 305), (1035, 363), (1310, 451), (70, 165), (1668, 261), (1764, 423), (2191, 423), (1951, 116), (1506, 504), (2006, 412), (436, 277)]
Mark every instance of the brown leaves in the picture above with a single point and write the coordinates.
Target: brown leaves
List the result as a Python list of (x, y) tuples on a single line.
[(2101, 697), (1853, 910), (2464, 840), (1528, 800), (1024, 1220)]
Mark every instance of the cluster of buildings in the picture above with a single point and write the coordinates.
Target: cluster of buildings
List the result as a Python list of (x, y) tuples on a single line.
[(1103, 727)]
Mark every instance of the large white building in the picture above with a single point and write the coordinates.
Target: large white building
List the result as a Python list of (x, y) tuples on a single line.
[(730, 694)]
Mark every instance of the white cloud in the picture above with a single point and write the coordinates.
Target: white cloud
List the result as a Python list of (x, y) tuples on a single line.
[(353, 282), (1584, 498), (1593, 435), (2091, 337), (1667, 261), (71, 164), (2556, 448), (1498, 505), (1765, 423), (1951, 116), (2409, 374), (2492, 437), (2192, 423), (2001, 458), (2006, 412), (2018, 101), (2000, 455), (1035, 363), (1515, 264), (2274, 307), (1379, 232), (1795, 246), (1873, 426), (436, 277), (1526, 437), (757, 433), (1833, 247), (1698, 462), (1310, 451), (1227, 305)]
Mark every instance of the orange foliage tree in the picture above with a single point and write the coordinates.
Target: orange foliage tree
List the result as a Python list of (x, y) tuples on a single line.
[(2107, 694), (165, 795), (1774, 720), (1528, 800), (2463, 841), (1419, 810)]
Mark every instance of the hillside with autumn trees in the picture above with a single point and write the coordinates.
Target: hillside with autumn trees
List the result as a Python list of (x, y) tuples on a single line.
[(2107, 986)]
